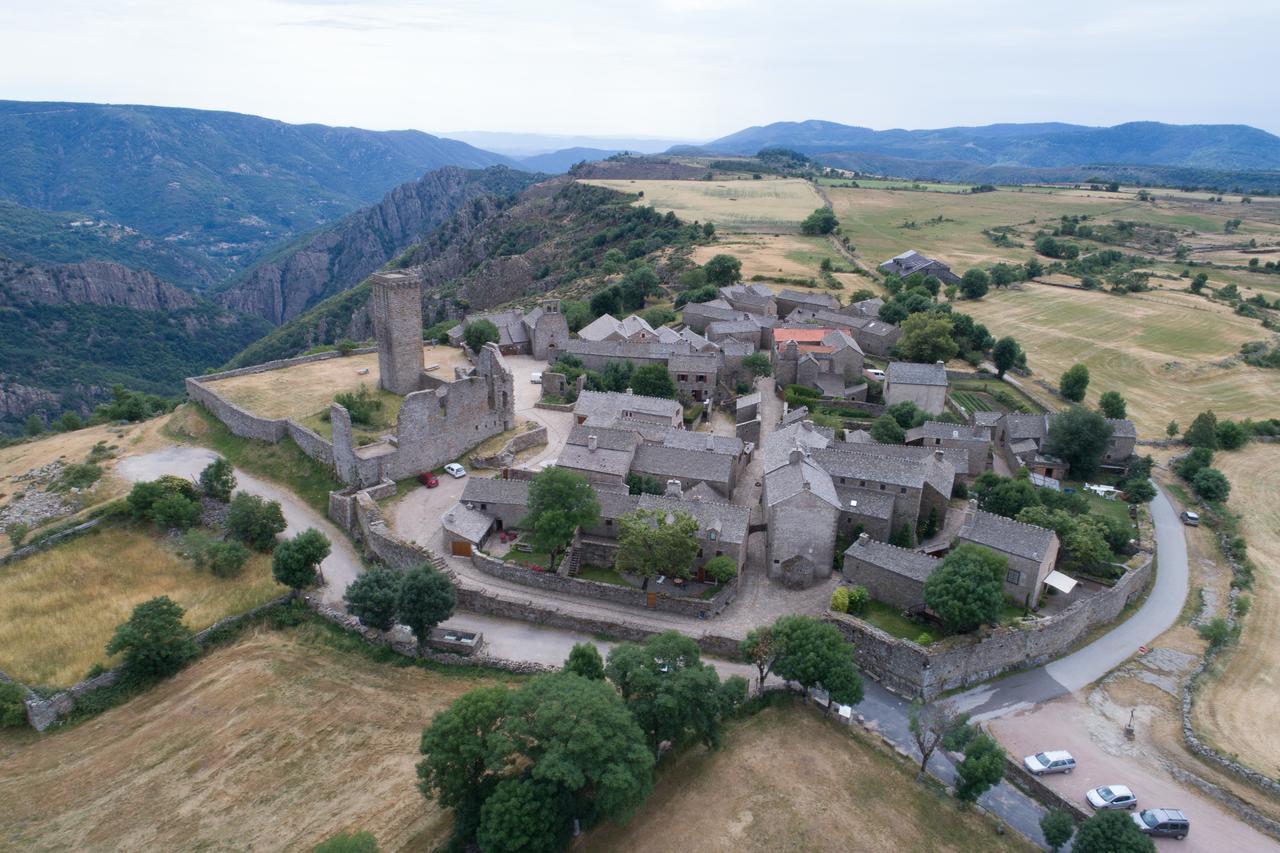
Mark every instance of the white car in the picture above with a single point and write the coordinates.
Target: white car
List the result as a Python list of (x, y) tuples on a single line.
[(456, 471), (1054, 761), (874, 373), (1111, 797), (535, 378)]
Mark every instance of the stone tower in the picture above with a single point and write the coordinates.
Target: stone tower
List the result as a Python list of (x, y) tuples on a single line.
[(397, 324)]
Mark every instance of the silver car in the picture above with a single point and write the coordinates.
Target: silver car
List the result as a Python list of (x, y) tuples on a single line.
[(1112, 797), (1054, 761)]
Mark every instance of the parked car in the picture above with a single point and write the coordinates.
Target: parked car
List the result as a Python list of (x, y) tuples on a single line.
[(1165, 823), (535, 378), (428, 479), (456, 471), (1112, 797), (873, 373), (1054, 761), (1190, 519)]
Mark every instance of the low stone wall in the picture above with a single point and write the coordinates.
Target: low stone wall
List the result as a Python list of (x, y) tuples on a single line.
[(555, 583), (238, 420), (927, 671), (1021, 778), (535, 437), (380, 542), (281, 362), (310, 442), (49, 541), (42, 713), (554, 407)]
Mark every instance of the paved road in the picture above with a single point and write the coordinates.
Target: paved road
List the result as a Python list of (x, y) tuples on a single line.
[(1066, 675)]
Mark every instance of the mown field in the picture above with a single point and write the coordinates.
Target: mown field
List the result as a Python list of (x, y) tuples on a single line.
[(733, 205), (1163, 351), (59, 607)]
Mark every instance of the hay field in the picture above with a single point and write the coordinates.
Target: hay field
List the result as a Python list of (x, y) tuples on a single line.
[(1234, 709), (788, 780), (766, 205), (305, 389), (1162, 351), (785, 256), (58, 608), (273, 743)]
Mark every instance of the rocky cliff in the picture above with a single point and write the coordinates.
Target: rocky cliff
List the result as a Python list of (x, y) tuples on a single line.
[(99, 283), (340, 256)]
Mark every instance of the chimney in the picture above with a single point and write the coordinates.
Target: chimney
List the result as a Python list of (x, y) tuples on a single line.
[(673, 489), (937, 454), (795, 457), (711, 441), (629, 391), (805, 483), (863, 539), (593, 443), (806, 425)]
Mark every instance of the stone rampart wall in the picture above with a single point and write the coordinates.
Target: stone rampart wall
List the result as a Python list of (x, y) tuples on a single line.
[(238, 420), (310, 443), (530, 438), (279, 363)]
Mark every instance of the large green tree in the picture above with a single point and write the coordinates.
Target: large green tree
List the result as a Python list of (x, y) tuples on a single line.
[(455, 765), (815, 654), (974, 284), (154, 641), (584, 659), (1074, 382), (967, 589), (654, 542), (653, 380), (1211, 484), (295, 561), (821, 221), (1112, 405), (477, 333), (426, 599), (637, 285), (1005, 354), (218, 480), (926, 338), (1008, 497), (982, 767), (255, 521), (373, 596), (560, 502), (1111, 832), (524, 816), (1057, 828), (1203, 431), (1079, 436), (721, 271)]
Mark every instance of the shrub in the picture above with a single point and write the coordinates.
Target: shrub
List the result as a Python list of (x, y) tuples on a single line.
[(154, 641), (478, 333), (1196, 460), (348, 842), (77, 477), (1231, 435), (721, 569), (967, 589), (255, 521), (17, 533), (1211, 484), (218, 480), (859, 598), (294, 561), (1216, 631), (222, 559), (1057, 827), (12, 710), (361, 405), (346, 346), (840, 599), (983, 766), (175, 511), (372, 596)]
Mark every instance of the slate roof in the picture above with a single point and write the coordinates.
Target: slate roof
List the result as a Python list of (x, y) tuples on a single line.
[(1122, 427), (470, 524), (733, 327), (911, 373), (697, 341), (951, 432), (702, 492), (710, 311), (1022, 426), (616, 504), (869, 462), (707, 442), (578, 457), (987, 419), (789, 480), (815, 298), (1008, 536), (747, 400), (697, 362), (728, 521), (667, 335), (867, 307), (511, 327), (611, 405), (732, 348), (681, 464), (900, 561), (624, 350), (779, 443), (496, 490), (600, 328), (872, 503), (755, 290), (607, 438)]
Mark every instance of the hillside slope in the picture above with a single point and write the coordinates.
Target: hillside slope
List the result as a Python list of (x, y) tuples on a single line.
[(341, 255), (224, 184)]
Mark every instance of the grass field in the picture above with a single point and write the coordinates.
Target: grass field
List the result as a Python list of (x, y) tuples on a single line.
[(273, 743), (58, 608), (788, 780), (776, 256), (731, 205), (1234, 708), (1162, 351)]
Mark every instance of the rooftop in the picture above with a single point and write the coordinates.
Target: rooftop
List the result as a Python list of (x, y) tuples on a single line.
[(470, 524), (495, 490), (900, 561), (913, 373), (791, 479), (729, 522), (808, 298), (1007, 536), (611, 405), (683, 464)]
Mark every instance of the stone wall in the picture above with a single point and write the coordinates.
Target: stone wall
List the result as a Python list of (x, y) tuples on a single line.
[(238, 420), (530, 438), (53, 539), (310, 442), (928, 671), (749, 431)]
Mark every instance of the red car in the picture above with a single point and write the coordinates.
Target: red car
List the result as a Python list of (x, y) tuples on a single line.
[(428, 479)]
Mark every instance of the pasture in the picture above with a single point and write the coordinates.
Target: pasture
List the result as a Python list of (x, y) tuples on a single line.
[(733, 205), (781, 256), (1167, 353), (59, 607)]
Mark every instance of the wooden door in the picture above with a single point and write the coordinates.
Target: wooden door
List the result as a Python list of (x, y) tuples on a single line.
[(460, 548)]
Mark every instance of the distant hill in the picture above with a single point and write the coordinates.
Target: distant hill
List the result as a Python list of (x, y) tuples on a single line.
[(559, 162), (1206, 146), (224, 185), (528, 144)]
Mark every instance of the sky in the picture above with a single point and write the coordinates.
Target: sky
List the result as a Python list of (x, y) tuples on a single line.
[(676, 69)]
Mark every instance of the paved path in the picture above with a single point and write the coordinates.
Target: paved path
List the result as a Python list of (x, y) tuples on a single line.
[(1163, 604)]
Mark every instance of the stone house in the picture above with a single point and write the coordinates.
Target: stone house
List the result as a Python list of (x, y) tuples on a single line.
[(1032, 551), (603, 408), (893, 575), (752, 298), (1121, 445), (1020, 438), (464, 529), (814, 300), (603, 455), (746, 408), (697, 315), (753, 329), (873, 335), (802, 510), (506, 501), (633, 328), (695, 374), (538, 333), (688, 467), (911, 262), (826, 359), (863, 478), (974, 440), (922, 384)]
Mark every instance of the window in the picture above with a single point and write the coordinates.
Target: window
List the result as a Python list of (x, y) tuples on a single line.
[(702, 377), (862, 483), (719, 553), (902, 490), (484, 507), (712, 535), (684, 377), (882, 487), (842, 481), (1014, 577), (608, 522)]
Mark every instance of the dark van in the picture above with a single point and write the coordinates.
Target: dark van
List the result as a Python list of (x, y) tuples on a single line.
[(1165, 823)]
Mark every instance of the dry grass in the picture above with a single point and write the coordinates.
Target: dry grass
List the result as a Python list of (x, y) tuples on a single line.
[(274, 743), (1235, 707), (1162, 351), (305, 389), (785, 256), (766, 205), (58, 608), (788, 780)]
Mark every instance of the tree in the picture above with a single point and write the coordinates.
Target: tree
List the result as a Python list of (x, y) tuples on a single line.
[(255, 521), (653, 380), (1172, 429), (154, 642), (926, 338), (69, 422), (1111, 832), (294, 561), (759, 648), (1193, 462), (821, 221), (33, 426), (1112, 405), (1198, 283), (757, 364), (928, 725), (372, 597), (721, 569), (974, 284), (815, 654), (560, 502), (454, 769), (659, 316), (886, 430), (607, 301), (1008, 497), (983, 767), (967, 588), (13, 709), (175, 511), (1211, 485), (643, 484), (477, 333), (1231, 435), (672, 694), (1006, 354), (348, 842), (1003, 275), (1138, 491), (218, 480), (902, 537), (584, 659), (523, 815), (1034, 269), (1074, 382), (723, 270), (426, 599), (654, 542), (637, 285), (1057, 827), (1080, 437), (1203, 431)]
